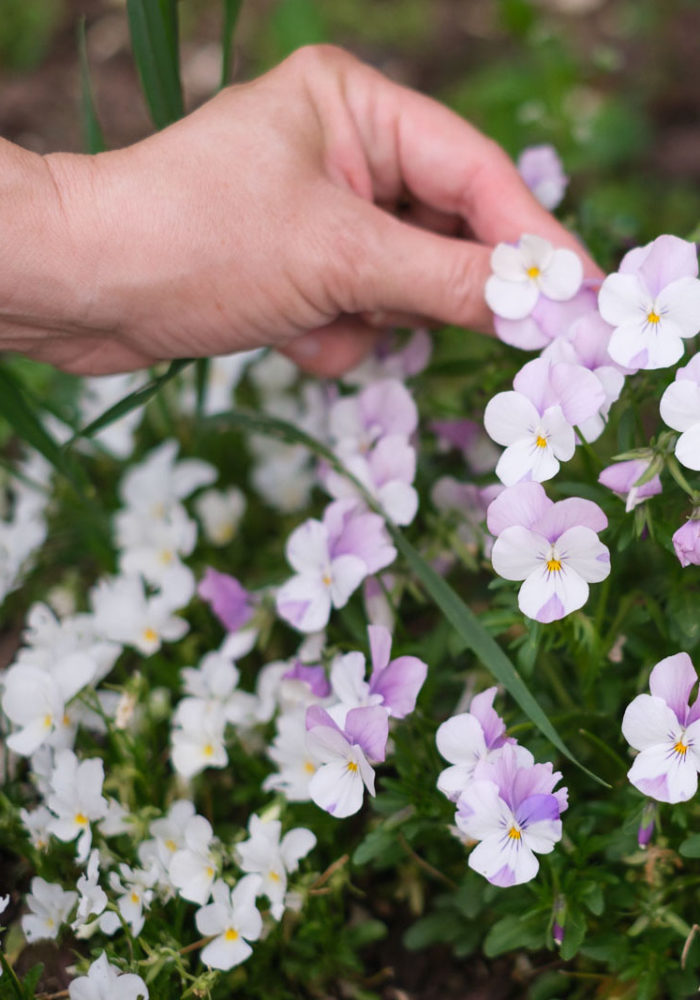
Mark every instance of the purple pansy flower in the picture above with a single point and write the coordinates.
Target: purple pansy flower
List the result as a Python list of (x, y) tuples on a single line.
[(536, 421), (469, 738), (553, 547), (548, 321), (666, 731), (686, 541), (620, 477), (345, 754), (514, 812), (232, 604), (653, 303), (543, 172)]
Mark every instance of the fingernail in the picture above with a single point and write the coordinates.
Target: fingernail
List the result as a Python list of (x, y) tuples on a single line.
[(306, 346)]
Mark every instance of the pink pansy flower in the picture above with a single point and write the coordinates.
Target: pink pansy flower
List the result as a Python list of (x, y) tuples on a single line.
[(653, 302), (384, 408), (232, 604), (393, 684), (331, 558), (386, 473), (514, 812), (680, 409), (469, 438), (387, 361), (536, 421), (467, 739), (522, 272), (586, 344), (666, 731), (686, 541), (345, 754), (621, 478), (548, 320), (552, 547), (543, 172)]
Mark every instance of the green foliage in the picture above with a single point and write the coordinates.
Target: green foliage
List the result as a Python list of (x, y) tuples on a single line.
[(154, 39), (26, 30)]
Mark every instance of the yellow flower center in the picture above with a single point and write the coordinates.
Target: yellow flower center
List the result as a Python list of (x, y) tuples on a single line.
[(680, 748), (135, 898), (541, 442), (231, 934), (149, 635), (274, 877), (208, 750), (653, 317), (327, 579), (309, 767), (553, 565), (533, 272), (48, 720), (352, 766), (210, 872), (81, 819), (166, 557), (171, 845), (514, 833)]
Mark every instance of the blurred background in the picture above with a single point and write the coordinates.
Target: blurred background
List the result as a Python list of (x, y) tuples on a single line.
[(612, 84)]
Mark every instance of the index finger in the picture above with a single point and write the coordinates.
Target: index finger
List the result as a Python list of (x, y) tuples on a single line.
[(445, 162)]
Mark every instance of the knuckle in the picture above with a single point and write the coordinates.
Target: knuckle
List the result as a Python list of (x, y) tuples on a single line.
[(314, 59)]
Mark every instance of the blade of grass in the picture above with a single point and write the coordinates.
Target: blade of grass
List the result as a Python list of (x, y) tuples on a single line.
[(460, 616), (131, 402), (20, 411), (93, 137), (232, 9), (154, 39)]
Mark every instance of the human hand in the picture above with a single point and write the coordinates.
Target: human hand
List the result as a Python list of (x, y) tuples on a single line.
[(303, 210)]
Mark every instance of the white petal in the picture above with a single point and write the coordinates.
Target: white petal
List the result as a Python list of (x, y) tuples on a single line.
[(518, 552), (307, 547), (482, 813), (509, 416), (581, 551), (504, 861), (688, 448), (680, 302), (543, 835), (548, 595), (347, 572), (224, 954), (337, 789), (510, 299), (507, 263), (461, 739), (296, 845), (680, 405), (648, 721), (622, 299), (562, 277), (679, 776)]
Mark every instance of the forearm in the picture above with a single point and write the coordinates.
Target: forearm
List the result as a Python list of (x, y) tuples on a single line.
[(42, 275)]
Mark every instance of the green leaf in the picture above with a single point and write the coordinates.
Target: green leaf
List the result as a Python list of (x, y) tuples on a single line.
[(446, 600), (482, 644), (515, 931), (295, 23), (436, 927), (690, 847), (21, 413), (93, 137), (232, 9), (32, 978), (154, 40), (131, 402), (574, 933)]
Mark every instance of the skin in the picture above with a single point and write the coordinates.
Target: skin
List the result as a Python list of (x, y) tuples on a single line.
[(305, 210)]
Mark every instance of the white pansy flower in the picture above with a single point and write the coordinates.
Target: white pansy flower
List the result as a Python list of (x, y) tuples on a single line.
[(106, 982), (49, 905), (272, 857), (522, 272), (124, 613), (76, 799), (234, 920), (220, 512), (193, 867)]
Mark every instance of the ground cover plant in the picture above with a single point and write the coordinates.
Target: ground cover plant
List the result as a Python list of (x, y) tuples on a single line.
[(311, 677)]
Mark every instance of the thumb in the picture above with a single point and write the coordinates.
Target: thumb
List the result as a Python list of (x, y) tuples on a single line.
[(412, 270)]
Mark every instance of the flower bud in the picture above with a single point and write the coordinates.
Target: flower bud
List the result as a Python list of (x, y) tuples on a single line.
[(686, 541)]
